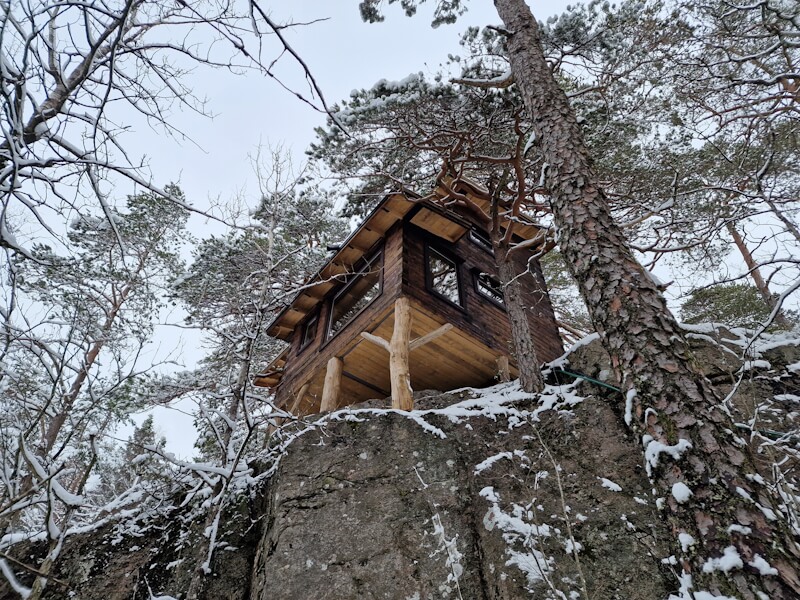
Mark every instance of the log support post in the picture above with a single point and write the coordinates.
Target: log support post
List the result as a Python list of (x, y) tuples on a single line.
[(503, 369), (298, 399), (399, 348), (333, 385)]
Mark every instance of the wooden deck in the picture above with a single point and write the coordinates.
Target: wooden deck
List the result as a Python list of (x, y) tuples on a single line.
[(455, 359)]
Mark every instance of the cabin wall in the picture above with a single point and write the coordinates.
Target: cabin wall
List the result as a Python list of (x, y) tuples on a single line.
[(479, 316), (302, 365)]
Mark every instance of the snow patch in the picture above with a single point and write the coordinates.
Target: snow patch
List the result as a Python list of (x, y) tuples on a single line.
[(729, 561), (448, 546), (629, 397), (762, 565), (564, 358), (483, 465), (750, 365), (736, 528), (517, 532), (681, 492), (610, 485), (687, 591), (653, 450), (686, 541)]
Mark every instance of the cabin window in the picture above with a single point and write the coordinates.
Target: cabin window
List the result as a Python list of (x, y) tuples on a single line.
[(489, 287), (361, 289), (482, 239), (309, 331), (442, 276)]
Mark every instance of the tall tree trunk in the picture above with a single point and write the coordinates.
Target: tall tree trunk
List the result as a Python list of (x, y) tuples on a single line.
[(699, 468), (530, 375)]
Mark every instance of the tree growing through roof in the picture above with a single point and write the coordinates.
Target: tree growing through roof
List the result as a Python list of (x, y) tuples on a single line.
[(424, 134)]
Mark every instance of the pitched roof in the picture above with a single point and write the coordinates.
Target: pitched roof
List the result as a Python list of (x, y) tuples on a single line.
[(393, 208)]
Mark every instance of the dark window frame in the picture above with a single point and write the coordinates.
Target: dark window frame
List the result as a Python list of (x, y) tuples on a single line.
[(456, 262), (313, 321), (476, 236), (476, 274), (376, 257)]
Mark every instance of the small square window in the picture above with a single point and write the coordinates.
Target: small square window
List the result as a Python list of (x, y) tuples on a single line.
[(443, 276), (482, 239), (309, 331), (489, 287)]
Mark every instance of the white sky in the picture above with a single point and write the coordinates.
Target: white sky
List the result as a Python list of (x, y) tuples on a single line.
[(343, 53)]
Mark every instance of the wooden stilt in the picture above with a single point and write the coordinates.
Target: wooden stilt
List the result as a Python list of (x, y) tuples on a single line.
[(298, 399), (503, 369), (332, 386), (399, 348)]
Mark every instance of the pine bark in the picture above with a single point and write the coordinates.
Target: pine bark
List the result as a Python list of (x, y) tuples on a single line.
[(669, 401), (530, 375)]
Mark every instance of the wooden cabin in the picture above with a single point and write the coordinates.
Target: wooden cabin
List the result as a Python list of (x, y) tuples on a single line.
[(432, 272)]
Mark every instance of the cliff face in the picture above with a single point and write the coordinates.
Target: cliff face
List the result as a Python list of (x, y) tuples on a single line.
[(496, 497), (462, 502)]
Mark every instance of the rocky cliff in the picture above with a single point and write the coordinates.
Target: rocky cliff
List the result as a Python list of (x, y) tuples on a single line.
[(475, 495)]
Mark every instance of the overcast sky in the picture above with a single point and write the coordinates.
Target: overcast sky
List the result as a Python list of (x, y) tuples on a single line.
[(343, 54)]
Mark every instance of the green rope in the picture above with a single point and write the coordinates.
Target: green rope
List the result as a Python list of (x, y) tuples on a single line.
[(587, 378), (768, 433)]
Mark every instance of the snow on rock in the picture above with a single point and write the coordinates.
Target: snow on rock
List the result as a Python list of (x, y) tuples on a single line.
[(564, 358), (729, 561), (787, 398), (488, 493), (629, 397), (571, 546), (610, 485), (687, 591), (686, 541), (654, 449), (450, 549), (482, 466), (516, 531), (750, 365), (736, 528), (762, 565), (681, 492)]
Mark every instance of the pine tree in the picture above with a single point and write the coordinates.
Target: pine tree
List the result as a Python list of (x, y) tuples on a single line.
[(235, 286), (73, 359), (705, 476)]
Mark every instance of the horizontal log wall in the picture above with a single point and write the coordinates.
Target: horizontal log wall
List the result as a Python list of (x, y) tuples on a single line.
[(479, 316)]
